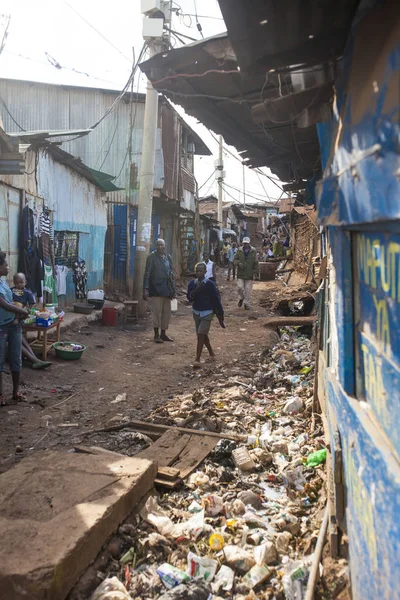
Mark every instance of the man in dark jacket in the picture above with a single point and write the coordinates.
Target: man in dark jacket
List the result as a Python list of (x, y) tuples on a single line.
[(247, 265), (159, 289), (203, 294)]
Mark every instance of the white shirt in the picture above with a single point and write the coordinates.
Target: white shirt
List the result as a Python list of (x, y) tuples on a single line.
[(209, 272), (61, 280)]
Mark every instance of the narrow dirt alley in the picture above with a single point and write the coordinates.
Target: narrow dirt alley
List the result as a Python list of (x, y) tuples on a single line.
[(70, 399)]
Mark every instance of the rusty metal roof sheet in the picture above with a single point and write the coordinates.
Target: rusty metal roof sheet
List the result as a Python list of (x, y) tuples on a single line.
[(204, 78), (286, 205)]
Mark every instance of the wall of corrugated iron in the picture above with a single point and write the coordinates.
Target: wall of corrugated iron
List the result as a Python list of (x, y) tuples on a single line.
[(39, 106), (172, 149)]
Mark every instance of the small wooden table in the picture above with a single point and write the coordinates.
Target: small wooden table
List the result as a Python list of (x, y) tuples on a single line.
[(41, 342)]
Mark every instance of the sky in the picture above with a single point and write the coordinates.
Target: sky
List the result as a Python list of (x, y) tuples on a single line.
[(92, 43)]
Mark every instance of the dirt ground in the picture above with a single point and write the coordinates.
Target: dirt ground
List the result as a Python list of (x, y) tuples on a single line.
[(71, 399)]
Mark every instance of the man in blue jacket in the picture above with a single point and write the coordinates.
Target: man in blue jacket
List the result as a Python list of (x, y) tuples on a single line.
[(206, 302), (159, 289)]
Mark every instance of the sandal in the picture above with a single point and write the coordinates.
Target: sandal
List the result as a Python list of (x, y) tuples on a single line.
[(3, 401), (41, 365), (19, 397)]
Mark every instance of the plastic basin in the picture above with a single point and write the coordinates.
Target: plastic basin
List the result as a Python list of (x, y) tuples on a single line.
[(84, 309), (59, 348)]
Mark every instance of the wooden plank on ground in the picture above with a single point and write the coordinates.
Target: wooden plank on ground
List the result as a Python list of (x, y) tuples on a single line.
[(196, 450), (180, 451), (154, 429), (168, 473), (166, 450)]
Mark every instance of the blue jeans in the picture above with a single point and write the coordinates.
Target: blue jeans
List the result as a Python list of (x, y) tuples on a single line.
[(12, 334)]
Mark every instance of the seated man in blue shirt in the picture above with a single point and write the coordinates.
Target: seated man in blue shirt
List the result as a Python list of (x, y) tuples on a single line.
[(206, 302)]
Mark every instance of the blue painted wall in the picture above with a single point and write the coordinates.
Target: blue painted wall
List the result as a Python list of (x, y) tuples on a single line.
[(91, 249), (358, 200)]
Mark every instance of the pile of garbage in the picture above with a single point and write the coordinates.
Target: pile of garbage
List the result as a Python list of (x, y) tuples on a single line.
[(244, 525)]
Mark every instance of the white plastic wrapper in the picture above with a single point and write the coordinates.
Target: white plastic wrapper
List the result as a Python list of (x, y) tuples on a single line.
[(200, 567), (223, 580), (111, 589), (153, 514)]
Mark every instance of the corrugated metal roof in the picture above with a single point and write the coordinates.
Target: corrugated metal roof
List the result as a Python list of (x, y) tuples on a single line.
[(39, 106)]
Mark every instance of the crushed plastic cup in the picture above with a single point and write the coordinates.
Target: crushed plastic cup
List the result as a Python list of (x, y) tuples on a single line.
[(257, 574), (216, 542)]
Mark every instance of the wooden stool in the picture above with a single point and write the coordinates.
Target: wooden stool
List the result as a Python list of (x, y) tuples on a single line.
[(131, 310)]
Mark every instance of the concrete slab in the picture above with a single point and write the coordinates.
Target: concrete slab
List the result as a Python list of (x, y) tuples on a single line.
[(57, 511)]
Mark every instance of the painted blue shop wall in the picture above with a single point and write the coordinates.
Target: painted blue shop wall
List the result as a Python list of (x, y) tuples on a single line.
[(359, 200), (91, 249)]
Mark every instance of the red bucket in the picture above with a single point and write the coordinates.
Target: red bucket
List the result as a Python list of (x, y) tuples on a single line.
[(110, 316)]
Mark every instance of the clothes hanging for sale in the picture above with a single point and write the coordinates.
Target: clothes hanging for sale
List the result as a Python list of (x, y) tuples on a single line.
[(49, 284), (80, 279), (45, 224), (30, 254), (61, 279), (47, 250)]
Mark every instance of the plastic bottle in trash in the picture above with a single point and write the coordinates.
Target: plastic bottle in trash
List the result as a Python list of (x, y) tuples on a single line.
[(316, 458)]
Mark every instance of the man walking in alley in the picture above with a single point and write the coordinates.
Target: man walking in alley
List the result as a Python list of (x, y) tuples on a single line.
[(247, 267), (204, 296), (159, 289), (210, 268)]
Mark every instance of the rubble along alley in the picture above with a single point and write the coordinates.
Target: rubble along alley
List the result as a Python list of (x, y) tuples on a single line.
[(244, 524)]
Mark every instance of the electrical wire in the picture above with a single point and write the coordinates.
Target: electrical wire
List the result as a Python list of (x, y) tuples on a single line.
[(201, 16), (122, 93), (96, 30), (198, 25), (251, 195), (48, 64), (180, 94), (206, 181), (132, 124), (5, 34), (10, 115), (192, 75)]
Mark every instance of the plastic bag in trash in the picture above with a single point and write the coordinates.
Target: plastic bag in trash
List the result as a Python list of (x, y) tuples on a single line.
[(238, 558), (223, 580), (111, 589), (222, 453), (171, 576), (201, 567), (295, 578)]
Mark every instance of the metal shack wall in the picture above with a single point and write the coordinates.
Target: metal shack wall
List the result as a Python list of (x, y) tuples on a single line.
[(76, 205), (40, 106), (359, 369)]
